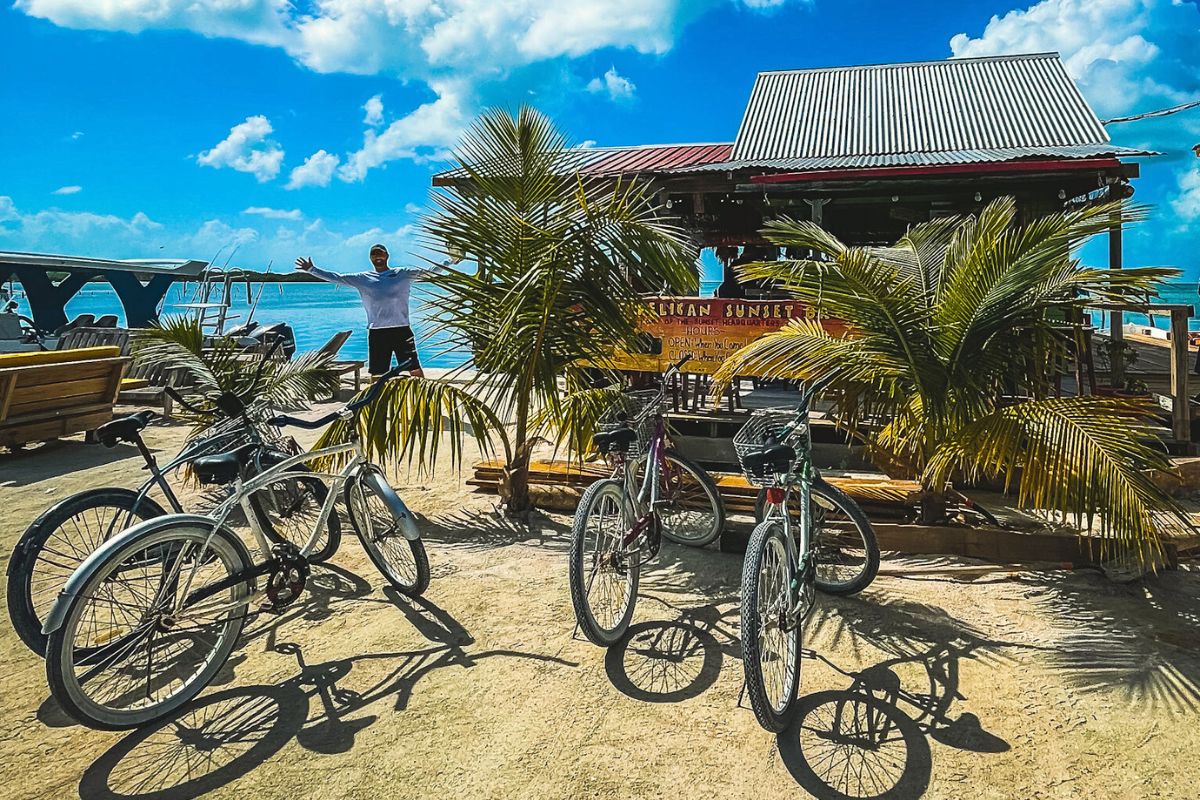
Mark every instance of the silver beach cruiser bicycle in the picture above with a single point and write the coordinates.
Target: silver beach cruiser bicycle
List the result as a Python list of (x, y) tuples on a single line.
[(811, 536), (148, 620)]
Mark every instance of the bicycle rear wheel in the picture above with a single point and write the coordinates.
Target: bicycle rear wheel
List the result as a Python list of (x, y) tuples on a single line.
[(287, 510), (401, 560), (603, 580), (843, 541), (141, 637), (770, 644), (56, 544), (690, 507)]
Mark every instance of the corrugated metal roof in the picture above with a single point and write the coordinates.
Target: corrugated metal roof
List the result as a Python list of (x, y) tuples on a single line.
[(955, 106), (636, 159), (654, 158), (989, 156)]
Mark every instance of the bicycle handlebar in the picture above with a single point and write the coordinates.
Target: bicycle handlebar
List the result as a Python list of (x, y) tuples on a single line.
[(353, 406)]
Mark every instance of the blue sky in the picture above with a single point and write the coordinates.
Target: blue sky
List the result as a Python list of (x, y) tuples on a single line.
[(175, 128)]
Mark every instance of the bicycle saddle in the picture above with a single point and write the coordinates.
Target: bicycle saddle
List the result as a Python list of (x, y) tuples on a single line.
[(617, 441), (223, 467), (123, 429), (777, 458)]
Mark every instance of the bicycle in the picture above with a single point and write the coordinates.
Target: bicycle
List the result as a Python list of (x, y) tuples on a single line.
[(653, 492), (58, 541), (146, 623), (781, 568)]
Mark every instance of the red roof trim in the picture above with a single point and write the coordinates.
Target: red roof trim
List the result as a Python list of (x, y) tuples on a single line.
[(1059, 165)]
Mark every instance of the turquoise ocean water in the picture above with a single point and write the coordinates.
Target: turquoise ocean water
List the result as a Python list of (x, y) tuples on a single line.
[(318, 310)]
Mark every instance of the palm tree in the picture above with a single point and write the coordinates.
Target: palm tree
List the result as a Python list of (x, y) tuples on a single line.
[(956, 333), (559, 259)]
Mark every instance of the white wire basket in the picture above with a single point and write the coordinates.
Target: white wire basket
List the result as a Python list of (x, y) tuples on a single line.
[(635, 412), (763, 429)]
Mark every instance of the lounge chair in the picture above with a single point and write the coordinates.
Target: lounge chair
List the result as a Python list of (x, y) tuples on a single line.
[(144, 383), (56, 393), (341, 367)]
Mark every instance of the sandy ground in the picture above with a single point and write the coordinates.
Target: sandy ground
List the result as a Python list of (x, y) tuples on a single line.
[(1016, 685)]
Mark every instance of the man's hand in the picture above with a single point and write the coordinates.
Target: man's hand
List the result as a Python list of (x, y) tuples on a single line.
[(304, 264)]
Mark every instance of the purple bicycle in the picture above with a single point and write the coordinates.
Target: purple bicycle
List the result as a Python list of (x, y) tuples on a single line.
[(654, 492)]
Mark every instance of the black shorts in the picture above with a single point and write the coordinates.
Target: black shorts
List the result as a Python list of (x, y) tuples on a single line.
[(383, 342)]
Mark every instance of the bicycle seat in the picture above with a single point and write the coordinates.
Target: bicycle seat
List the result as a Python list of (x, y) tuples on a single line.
[(123, 429), (770, 460), (617, 441), (223, 467)]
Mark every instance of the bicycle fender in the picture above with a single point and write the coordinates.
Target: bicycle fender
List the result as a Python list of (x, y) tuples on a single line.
[(85, 571), (408, 525)]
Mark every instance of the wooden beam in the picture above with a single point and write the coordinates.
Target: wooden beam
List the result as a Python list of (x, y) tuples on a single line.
[(1181, 422)]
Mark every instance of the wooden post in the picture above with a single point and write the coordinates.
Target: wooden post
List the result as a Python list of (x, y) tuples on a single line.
[(1181, 412), (1116, 318)]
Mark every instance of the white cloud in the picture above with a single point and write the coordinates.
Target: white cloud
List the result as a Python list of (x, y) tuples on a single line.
[(317, 170), (274, 213), (374, 109), (425, 134), (1187, 202), (58, 231), (1124, 54), (470, 53), (68, 190), (615, 85), (77, 135), (216, 235), (247, 149)]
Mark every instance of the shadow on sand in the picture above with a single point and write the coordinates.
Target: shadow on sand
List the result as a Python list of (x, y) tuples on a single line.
[(223, 736), (872, 739)]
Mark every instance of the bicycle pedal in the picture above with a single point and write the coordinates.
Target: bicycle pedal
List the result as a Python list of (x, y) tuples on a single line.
[(267, 607)]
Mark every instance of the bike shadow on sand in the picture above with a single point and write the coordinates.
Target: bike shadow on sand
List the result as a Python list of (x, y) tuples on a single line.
[(873, 738), (222, 736)]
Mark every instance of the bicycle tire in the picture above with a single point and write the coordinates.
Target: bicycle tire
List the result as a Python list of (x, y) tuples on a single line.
[(161, 537), (27, 606), (386, 558), (611, 490), (772, 714), (712, 495), (332, 533), (870, 546)]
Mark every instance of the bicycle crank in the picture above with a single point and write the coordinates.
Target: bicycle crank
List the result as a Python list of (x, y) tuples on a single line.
[(286, 578)]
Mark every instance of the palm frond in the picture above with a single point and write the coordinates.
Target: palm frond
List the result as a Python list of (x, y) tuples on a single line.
[(1087, 457), (414, 418)]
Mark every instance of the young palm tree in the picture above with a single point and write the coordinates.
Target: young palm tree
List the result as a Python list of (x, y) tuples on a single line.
[(214, 366), (955, 335), (559, 258)]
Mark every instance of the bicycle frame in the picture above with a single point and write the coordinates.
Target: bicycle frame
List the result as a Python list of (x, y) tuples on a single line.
[(799, 547)]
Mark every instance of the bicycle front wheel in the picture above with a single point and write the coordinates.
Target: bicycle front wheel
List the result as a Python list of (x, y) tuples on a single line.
[(770, 642), (843, 541), (151, 625), (402, 561), (604, 580), (689, 505), (56, 543)]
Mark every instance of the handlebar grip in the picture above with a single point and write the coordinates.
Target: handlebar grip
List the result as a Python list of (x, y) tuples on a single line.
[(376, 388), (679, 364), (281, 420)]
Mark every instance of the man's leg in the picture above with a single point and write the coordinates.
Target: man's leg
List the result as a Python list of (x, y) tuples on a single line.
[(406, 351), (379, 352)]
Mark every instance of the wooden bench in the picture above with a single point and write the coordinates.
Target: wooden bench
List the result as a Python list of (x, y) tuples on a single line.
[(144, 383), (51, 394), (343, 367)]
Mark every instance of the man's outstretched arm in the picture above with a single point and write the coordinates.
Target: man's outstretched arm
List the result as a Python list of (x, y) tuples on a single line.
[(305, 264)]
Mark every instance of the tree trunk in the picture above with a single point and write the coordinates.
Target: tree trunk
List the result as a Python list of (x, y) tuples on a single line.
[(933, 507), (518, 502)]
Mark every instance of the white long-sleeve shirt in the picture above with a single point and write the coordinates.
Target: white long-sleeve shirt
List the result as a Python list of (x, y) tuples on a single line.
[(384, 294)]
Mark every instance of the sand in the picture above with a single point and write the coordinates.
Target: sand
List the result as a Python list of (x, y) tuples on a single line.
[(1014, 685)]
